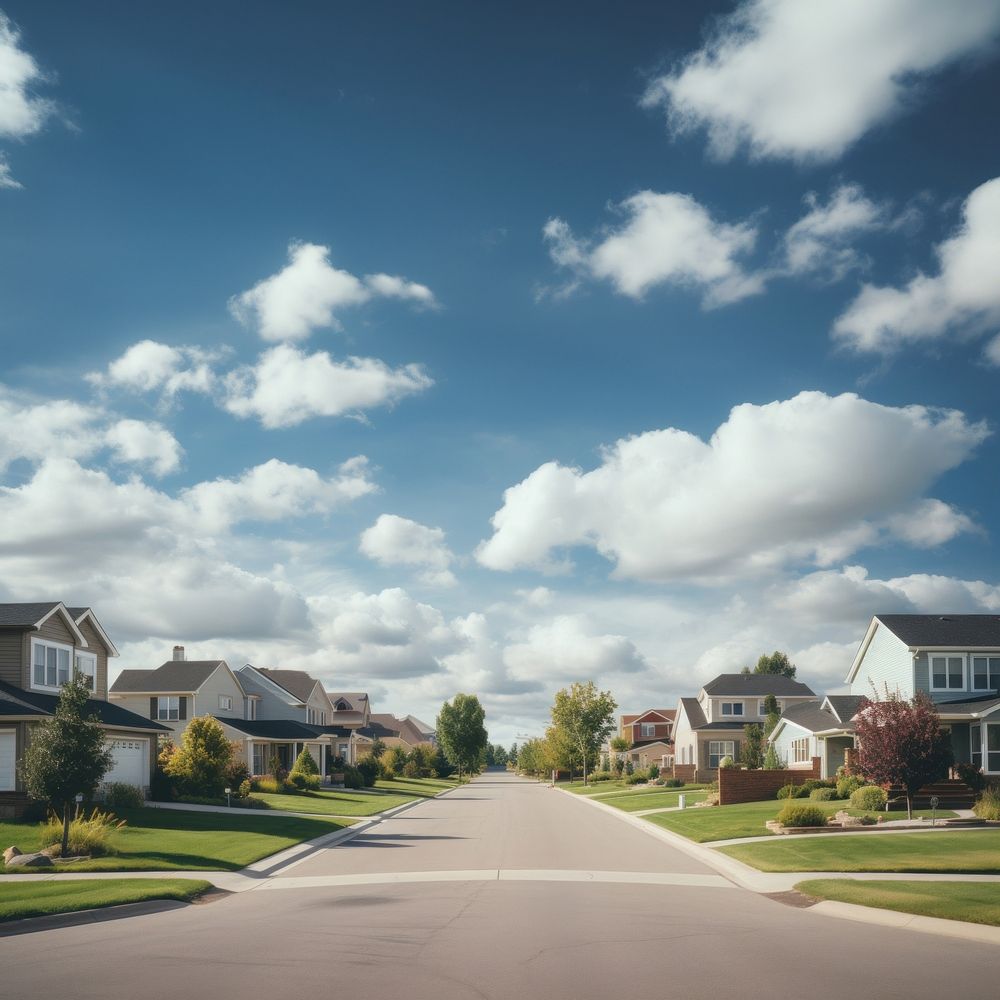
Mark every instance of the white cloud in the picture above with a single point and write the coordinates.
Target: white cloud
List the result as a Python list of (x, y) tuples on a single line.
[(666, 238), (7, 180), (398, 541), (144, 443), (807, 80), (821, 240), (149, 366), (963, 297), (309, 293), (22, 114), (810, 479), (286, 386)]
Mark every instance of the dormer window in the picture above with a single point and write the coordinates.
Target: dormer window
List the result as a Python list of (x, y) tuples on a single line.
[(732, 708), (342, 706), (647, 730), (947, 671), (50, 664)]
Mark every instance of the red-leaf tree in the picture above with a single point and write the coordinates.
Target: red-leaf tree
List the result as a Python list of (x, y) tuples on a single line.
[(901, 743)]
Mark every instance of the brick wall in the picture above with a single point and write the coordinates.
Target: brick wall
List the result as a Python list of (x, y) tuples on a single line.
[(755, 786), (686, 772)]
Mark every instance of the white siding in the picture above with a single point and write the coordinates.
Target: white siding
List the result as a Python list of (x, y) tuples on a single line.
[(887, 661), (791, 731), (221, 682)]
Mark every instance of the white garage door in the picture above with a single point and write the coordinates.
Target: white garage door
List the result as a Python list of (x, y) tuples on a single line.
[(7, 741), (130, 765)]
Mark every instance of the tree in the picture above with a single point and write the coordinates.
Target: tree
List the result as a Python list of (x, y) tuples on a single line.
[(586, 717), (500, 757), (377, 748), (304, 763), (393, 761), (67, 755), (531, 757), (512, 754), (901, 743), (461, 731), (200, 763), (753, 746), (777, 663), (772, 761), (773, 714)]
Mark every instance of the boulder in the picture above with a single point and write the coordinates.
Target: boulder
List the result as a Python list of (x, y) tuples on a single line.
[(11, 852), (33, 861)]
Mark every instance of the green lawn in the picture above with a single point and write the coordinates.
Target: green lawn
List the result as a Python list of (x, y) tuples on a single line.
[(659, 798), (323, 803), (603, 788), (171, 840), (745, 820), (971, 852), (976, 902), (37, 899), (424, 787)]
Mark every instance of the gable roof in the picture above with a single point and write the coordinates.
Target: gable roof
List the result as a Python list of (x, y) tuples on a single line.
[(812, 716), (174, 675), (757, 685), (355, 700), (843, 706), (947, 630), (665, 714), (296, 682), (645, 744), (79, 614), (33, 616), (402, 729), (695, 716), (108, 712)]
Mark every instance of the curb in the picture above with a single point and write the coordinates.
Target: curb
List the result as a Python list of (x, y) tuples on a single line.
[(28, 925), (982, 933)]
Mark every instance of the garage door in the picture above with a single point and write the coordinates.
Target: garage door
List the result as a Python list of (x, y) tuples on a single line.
[(7, 741), (130, 765)]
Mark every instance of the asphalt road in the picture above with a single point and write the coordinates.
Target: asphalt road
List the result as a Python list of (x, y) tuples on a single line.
[(528, 893)]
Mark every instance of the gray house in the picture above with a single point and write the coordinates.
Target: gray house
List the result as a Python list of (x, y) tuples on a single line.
[(823, 729)]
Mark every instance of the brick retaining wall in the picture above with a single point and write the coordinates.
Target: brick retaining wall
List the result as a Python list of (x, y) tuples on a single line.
[(736, 785)]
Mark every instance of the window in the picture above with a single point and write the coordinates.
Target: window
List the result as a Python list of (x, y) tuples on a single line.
[(800, 751), (717, 749), (168, 709), (251, 708), (947, 672), (732, 708), (986, 673), (225, 703), (50, 664), (322, 718), (259, 764), (85, 665), (993, 747), (647, 730), (762, 708), (976, 745)]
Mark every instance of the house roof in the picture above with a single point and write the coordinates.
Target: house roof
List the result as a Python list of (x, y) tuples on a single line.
[(174, 675), (274, 729), (640, 744), (30, 616), (80, 613), (14, 708), (984, 705), (402, 729), (666, 715), (354, 699), (759, 685), (341, 731), (845, 706), (956, 631), (812, 716), (296, 682), (108, 712), (695, 716)]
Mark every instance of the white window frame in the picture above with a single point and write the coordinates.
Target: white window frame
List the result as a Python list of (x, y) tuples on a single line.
[(990, 659), (976, 745), (988, 767), (800, 751), (251, 709), (730, 752), (59, 647), (88, 658), (732, 706), (647, 730), (225, 702), (171, 712), (931, 657), (257, 750)]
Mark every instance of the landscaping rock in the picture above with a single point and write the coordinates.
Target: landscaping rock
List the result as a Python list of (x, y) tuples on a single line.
[(11, 852), (33, 861)]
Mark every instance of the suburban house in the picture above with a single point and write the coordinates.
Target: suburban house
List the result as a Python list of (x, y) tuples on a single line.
[(351, 713), (955, 659), (41, 646), (709, 727), (649, 736), (403, 733), (823, 729)]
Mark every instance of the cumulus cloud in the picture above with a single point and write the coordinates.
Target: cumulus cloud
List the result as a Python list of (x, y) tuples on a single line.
[(309, 292), (22, 113), (145, 443), (398, 541), (962, 298), (149, 366), (665, 239), (806, 81), (810, 479), (7, 179), (287, 386)]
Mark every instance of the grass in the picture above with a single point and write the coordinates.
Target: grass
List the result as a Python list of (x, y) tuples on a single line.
[(172, 840), (38, 899), (603, 788), (969, 852), (338, 803), (745, 820), (422, 787), (660, 798), (976, 902)]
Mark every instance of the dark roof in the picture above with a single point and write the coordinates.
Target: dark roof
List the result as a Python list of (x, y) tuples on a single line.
[(845, 706), (810, 716), (759, 685), (968, 705), (77, 613), (354, 699), (274, 729), (639, 744), (24, 615), (9, 708), (375, 730), (296, 682), (402, 729), (109, 713), (958, 631), (695, 716), (720, 725), (174, 675), (341, 731)]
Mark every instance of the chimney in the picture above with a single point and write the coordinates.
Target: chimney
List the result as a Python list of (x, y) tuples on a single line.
[(178, 652)]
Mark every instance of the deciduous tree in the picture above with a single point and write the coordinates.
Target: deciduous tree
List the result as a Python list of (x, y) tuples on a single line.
[(200, 763), (777, 663), (753, 746), (586, 717), (461, 731)]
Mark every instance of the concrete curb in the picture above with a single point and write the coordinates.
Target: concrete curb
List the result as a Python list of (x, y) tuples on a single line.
[(981, 933), (29, 925)]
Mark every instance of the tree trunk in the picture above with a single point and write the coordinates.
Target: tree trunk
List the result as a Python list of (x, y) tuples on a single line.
[(909, 804), (584, 768), (65, 837)]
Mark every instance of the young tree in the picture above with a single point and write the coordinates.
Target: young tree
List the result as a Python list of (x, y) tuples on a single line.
[(67, 755), (777, 663), (773, 714), (773, 762), (304, 763), (377, 748), (500, 757), (753, 746), (586, 717), (200, 763), (512, 754), (901, 743), (461, 731)]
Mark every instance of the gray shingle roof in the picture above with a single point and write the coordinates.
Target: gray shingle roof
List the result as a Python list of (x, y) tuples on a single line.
[(695, 716), (809, 715), (958, 631), (24, 615), (296, 682), (108, 712), (844, 705), (174, 675), (757, 685), (968, 705), (355, 699), (273, 729)]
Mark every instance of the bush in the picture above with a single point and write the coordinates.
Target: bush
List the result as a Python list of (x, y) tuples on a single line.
[(629, 769), (972, 776), (636, 779), (870, 798), (772, 759), (87, 834), (847, 785), (394, 760), (368, 768), (298, 780), (801, 815), (199, 766), (673, 783), (268, 785), (304, 763), (654, 771), (411, 769), (602, 776), (988, 804), (353, 778), (823, 794), (236, 773), (727, 762), (793, 791), (245, 788), (119, 796)]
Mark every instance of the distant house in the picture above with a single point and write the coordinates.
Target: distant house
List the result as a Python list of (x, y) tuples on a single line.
[(393, 732), (649, 736), (42, 646), (709, 727), (351, 713), (819, 728)]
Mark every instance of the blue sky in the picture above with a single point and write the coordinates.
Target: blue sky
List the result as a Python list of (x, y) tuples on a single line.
[(545, 229)]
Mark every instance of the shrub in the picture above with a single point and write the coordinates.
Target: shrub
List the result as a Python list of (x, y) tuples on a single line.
[(245, 789), (988, 804), (727, 762), (304, 763), (236, 773), (120, 796), (629, 769), (636, 779), (823, 794), (352, 777), (298, 780), (869, 798), (394, 760), (654, 771), (673, 783), (602, 776), (801, 815), (411, 769), (368, 768), (848, 784), (199, 765), (772, 759), (786, 792), (793, 791), (972, 776), (268, 785), (87, 834)]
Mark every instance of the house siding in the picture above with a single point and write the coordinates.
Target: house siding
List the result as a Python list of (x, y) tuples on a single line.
[(206, 700), (271, 705), (887, 662), (96, 646), (11, 646)]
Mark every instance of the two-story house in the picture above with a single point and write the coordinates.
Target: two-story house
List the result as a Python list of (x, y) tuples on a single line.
[(404, 733), (649, 736), (953, 658), (42, 646), (709, 727), (351, 713)]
